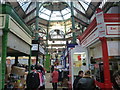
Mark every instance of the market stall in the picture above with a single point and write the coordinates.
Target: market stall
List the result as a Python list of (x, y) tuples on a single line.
[(78, 61), (16, 38), (101, 39)]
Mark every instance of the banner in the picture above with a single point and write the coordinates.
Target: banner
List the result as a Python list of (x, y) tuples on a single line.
[(100, 23)]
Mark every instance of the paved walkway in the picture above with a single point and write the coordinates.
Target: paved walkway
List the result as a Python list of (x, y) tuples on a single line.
[(47, 81), (48, 85)]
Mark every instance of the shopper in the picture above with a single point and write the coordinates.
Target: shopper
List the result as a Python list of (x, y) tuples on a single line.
[(80, 75), (52, 68), (116, 80), (32, 80), (55, 76), (86, 82)]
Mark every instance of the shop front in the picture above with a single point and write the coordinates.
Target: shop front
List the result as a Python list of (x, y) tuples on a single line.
[(101, 39), (78, 62)]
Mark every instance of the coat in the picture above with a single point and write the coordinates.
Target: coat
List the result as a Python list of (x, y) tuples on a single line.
[(55, 76), (86, 83), (75, 82)]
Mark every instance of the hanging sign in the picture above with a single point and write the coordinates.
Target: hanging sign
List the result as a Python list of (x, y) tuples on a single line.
[(34, 47), (100, 23)]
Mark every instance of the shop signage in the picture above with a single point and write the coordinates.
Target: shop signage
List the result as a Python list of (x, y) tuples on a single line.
[(41, 49), (90, 38), (100, 24), (113, 30), (34, 47)]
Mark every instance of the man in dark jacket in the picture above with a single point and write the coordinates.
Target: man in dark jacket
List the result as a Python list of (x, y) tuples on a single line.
[(80, 75), (86, 83)]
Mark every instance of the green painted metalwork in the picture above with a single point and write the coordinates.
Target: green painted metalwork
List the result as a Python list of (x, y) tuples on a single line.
[(47, 62), (7, 9), (0, 63), (73, 24), (29, 61), (64, 22), (37, 22), (4, 49)]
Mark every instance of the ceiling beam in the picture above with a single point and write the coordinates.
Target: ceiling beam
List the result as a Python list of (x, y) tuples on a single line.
[(81, 12), (81, 21)]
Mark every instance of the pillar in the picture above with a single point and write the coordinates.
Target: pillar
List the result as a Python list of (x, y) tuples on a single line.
[(73, 24), (107, 81), (4, 52)]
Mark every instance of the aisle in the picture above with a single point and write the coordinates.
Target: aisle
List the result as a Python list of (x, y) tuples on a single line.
[(48, 85), (47, 81)]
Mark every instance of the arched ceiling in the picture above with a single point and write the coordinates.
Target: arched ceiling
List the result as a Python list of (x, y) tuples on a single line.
[(51, 13)]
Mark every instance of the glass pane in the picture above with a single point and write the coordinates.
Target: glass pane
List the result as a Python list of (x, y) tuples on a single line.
[(56, 15), (67, 16), (24, 5), (44, 16), (65, 11), (85, 3), (46, 11)]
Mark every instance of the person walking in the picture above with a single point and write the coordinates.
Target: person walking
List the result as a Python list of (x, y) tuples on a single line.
[(80, 75), (86, 82), (55, 76)]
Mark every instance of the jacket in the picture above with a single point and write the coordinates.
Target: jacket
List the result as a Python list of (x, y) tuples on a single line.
[(75, 82), (55, 76), (86, 83)]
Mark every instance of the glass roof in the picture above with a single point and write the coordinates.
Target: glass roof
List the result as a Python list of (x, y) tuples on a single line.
[(57, 11), (53, 12), (54, 15)]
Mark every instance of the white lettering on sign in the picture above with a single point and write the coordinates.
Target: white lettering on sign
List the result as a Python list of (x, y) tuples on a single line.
[(90, 38), (113, 30), (100, 24)]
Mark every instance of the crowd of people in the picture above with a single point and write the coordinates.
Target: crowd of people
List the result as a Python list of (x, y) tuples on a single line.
[(84, 80), (87, 82)]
